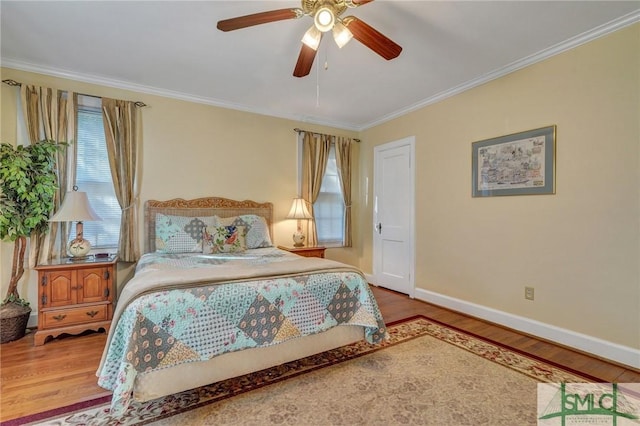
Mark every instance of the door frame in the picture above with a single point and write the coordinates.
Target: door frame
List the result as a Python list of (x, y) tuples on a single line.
[(411, 142)]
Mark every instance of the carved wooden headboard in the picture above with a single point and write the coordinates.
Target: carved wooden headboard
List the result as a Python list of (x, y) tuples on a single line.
[(208, 206)]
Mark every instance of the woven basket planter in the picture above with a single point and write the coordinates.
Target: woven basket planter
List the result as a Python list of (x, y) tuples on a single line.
[(13, 322)]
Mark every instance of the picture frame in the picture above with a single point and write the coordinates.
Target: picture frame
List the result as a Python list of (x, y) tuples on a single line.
[(521, 163)]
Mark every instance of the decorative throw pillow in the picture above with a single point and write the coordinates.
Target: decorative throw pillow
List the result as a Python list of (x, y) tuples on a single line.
[(256, 229), (223, 239), (181, 234)]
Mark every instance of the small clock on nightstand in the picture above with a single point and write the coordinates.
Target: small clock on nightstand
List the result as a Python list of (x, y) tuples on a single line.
[(305, 251)]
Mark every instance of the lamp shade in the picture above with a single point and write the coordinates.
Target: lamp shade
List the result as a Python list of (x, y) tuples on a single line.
[(324, 19), (312, 38), (341, 34), (75, 208), (299, 210)]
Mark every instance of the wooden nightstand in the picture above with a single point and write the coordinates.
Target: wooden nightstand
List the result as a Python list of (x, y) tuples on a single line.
[(74, 296), (305, 251)]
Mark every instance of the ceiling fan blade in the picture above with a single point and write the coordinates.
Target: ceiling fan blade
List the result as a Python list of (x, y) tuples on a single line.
[(357, 3), (372, 38), (305, 61), (258, 18)]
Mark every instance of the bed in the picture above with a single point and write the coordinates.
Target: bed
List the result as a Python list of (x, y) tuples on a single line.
[(212, 298)]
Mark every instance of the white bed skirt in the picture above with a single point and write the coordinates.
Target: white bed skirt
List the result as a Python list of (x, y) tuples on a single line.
[(191, 375)]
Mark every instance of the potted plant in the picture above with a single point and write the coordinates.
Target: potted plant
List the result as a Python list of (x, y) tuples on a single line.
[(28, 182)]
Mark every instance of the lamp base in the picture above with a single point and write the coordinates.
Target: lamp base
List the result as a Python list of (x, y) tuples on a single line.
[(298, 239), (79, 248)]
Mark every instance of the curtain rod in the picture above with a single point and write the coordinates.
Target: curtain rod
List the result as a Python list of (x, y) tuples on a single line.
[(15, 83), (316, 133)]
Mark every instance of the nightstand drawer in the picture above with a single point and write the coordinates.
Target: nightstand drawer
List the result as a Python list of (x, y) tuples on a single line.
[(62, 317)]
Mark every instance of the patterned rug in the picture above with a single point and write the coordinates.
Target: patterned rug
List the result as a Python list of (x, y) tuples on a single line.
[(427, 373)]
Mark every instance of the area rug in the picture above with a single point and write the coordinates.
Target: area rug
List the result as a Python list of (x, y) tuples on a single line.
[(426, 373)]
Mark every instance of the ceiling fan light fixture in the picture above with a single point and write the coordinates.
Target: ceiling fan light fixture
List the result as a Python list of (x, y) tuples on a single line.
[(312, 37), (341, 34), (324, 19)]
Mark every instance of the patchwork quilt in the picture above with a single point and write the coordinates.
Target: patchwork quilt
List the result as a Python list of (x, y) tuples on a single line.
[(182, 308)]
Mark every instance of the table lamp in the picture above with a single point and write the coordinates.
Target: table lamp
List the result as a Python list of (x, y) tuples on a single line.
[(76, 208), (300, 212)]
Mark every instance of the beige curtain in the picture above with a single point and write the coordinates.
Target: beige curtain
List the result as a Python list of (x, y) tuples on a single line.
[(343, 161), (121, 133), (315, 153), (50, 114)]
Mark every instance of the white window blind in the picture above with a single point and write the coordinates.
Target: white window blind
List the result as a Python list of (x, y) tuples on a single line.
[(329, 207), (93, 176)]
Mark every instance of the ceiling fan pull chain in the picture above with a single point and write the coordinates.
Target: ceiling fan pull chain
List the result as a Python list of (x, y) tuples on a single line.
[(326, 58)]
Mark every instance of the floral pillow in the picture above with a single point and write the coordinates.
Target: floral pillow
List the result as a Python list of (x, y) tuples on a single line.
[(223, 239), (256, 229), (181, 234)]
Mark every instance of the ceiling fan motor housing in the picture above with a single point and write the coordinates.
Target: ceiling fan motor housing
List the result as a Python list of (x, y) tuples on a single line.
[(312, 7)]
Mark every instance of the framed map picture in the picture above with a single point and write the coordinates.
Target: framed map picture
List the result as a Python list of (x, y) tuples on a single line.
[(519, 164)]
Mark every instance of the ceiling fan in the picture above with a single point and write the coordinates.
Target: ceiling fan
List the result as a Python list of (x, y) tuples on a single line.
[(326, 17)]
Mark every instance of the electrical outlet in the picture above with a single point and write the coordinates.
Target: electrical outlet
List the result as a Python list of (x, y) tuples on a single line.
[(528, 293)]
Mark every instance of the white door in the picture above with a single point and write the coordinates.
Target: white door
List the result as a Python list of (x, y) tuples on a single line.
[(393, 215)]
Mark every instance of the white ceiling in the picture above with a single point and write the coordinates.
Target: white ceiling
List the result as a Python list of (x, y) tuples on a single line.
[(172, 48)]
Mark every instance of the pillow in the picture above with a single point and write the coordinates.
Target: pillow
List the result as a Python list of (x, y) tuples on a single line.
[(181, 234), (223, 239), (256, 229)]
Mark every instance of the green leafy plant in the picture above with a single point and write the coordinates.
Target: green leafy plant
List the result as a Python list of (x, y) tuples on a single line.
[(28, 183), (17, 300)]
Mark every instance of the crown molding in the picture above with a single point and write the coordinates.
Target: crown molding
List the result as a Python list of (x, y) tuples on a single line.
[(602, 30), (150, 90), (597, 32)]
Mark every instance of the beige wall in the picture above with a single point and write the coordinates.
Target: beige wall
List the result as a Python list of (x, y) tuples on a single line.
[(192, 150), (579, 248)]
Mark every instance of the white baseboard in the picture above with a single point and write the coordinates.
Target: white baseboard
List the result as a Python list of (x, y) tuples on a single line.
[(593, 345)]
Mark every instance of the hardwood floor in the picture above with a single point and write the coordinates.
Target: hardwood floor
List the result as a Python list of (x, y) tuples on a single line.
[(62, 372)]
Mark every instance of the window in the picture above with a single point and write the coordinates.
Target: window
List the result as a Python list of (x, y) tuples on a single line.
[(329, 207), (93, 176)]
